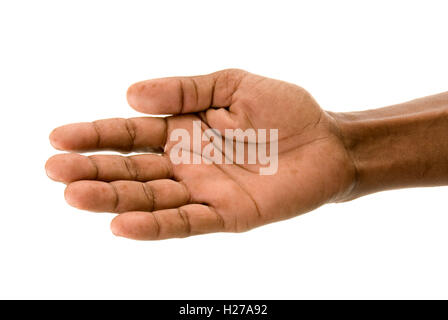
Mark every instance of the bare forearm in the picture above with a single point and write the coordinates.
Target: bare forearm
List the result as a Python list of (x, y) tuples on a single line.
[(404, 145)]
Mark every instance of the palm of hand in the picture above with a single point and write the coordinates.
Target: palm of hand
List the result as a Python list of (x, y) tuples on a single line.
[(163, 200)]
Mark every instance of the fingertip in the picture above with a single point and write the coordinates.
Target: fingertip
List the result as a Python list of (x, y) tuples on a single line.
[(116, 228), (134, 225), (69, 167), (49, 168), (55, 139), (134, 96), (73, 196), (156, 96), (89, 195), (53, 170), (73, 137)]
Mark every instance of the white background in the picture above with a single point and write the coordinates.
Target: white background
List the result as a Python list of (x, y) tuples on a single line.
[(70, 61)]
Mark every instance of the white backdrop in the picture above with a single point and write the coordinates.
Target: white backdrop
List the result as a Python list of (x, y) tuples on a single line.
[(70, 61)]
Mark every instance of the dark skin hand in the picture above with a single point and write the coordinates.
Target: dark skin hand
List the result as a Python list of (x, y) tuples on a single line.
[(321, 158)]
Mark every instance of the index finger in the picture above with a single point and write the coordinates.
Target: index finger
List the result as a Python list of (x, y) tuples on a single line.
[(134, 134)]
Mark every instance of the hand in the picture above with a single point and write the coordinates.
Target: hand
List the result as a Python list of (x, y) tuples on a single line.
[(157, 199)]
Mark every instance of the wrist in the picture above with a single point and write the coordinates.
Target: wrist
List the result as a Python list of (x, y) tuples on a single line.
[(399, 146)]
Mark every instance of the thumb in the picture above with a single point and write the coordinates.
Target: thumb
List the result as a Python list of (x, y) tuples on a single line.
[(178, 95)]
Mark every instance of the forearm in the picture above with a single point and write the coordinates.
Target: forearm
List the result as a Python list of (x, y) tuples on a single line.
[(404, 145)]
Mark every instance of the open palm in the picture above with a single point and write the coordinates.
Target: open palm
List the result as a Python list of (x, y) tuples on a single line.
[(157, 199)]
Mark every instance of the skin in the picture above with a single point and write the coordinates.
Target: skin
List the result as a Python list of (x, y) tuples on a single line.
[(322, 157)]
